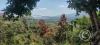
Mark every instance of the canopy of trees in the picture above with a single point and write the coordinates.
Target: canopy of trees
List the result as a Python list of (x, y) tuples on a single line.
[(19, 8), (84, 5)]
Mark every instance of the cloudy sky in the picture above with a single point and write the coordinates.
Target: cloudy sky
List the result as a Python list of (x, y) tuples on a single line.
[(47, 8)]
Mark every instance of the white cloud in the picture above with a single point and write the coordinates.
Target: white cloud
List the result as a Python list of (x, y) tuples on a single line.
[(64, 9), (62, 6), (40, 9), (42, 12), (61, 9)]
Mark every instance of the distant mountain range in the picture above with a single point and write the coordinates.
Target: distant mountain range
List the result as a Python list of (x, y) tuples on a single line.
[(69, 17), (55, 18)]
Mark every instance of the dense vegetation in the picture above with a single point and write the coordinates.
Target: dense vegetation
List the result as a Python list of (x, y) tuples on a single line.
[(17, 29), (23, 33), (90, 7)]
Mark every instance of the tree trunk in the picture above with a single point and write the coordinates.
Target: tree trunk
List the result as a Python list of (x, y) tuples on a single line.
[(96, 31), (93, 17)]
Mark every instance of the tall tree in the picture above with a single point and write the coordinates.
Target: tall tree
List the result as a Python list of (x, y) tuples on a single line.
[(19, 8), (90, 7)]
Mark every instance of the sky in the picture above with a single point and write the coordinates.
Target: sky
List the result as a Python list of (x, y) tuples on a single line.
[(2, 4), (47, 8)]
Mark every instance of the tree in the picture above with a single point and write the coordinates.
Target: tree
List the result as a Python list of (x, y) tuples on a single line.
[(60, 37), (19, 8), (83, 22), (90, 7)]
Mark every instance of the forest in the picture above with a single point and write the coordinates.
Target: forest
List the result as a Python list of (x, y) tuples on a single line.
[(17, 28)]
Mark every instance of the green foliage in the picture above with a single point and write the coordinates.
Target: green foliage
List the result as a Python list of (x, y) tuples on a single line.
[(16, 33), (82, 22), (19, 8), (84, 5), (60, 36), (98, 13)]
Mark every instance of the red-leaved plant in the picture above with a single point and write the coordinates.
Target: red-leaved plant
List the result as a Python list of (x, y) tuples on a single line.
[(43, 27), (61, 34), (46, 32), (62, 21)]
